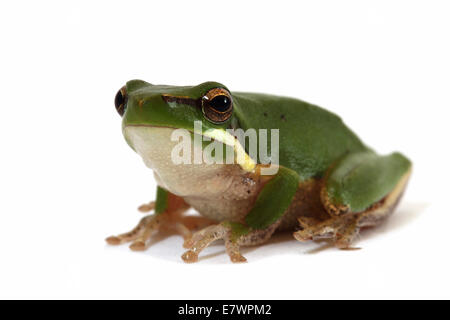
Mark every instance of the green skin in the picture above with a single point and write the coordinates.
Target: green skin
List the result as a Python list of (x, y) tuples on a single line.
[(314, 143)]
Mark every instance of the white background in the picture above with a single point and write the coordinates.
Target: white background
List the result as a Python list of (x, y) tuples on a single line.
[(68, 179)]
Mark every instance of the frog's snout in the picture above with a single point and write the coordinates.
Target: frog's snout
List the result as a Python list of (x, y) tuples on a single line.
[(120, 101)]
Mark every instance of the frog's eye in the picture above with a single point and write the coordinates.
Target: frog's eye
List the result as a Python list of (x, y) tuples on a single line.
[(120, 101), (217, 105)]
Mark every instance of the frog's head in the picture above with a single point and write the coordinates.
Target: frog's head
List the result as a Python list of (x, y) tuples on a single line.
[(143, 104), (152, 112)]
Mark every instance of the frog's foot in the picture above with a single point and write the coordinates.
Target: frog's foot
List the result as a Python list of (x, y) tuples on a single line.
[(141, 233), (234, 234), (203, 238), (130, 235), (150, 224), (343, 230), (170, 221)]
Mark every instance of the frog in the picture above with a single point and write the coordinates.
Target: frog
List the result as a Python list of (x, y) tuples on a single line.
[(328, 185)]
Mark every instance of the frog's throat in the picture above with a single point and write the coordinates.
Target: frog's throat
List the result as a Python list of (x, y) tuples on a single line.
[(241, 157)]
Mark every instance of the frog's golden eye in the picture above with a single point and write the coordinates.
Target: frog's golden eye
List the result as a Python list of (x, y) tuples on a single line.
[(120, 101), (217, 105)]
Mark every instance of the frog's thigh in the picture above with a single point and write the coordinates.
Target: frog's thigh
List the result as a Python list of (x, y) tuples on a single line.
[(360, 191)]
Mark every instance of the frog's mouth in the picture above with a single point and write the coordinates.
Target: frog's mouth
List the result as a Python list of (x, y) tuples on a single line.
[(240, 155)]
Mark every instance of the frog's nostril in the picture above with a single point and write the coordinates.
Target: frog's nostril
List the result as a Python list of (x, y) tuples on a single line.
[(120, 101)]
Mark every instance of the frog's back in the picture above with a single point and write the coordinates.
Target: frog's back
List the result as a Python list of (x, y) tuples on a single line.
[(311, 138)]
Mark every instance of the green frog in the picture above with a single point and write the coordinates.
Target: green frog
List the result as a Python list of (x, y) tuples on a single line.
[(325, 183)]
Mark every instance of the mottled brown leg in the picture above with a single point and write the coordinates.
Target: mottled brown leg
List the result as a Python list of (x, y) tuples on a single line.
[(203, 238), (189, 223), (233, 252)]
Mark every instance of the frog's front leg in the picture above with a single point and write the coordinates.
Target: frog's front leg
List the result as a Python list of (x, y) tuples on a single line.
[(205, 237), (258, 225), (168, 216), (234, 234), (360, 191)]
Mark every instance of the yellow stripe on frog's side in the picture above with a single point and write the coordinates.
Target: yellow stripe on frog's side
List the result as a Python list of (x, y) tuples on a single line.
[(242, 158)]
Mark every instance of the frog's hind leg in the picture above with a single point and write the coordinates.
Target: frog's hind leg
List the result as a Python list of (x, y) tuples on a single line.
[(359, 192)]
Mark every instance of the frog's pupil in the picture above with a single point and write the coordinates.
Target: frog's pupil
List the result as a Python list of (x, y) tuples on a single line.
[(220, 103), (119, 99), (119, 102)]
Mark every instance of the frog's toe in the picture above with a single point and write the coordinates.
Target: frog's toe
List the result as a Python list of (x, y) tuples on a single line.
[(203, 238), (130, 235), (152, 225), (147, 226), (309, 228), (147, 207), (233, 252), (113, 240), (170, 223), (346, 234), (138, 245), (343, 230), (190, 256)]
